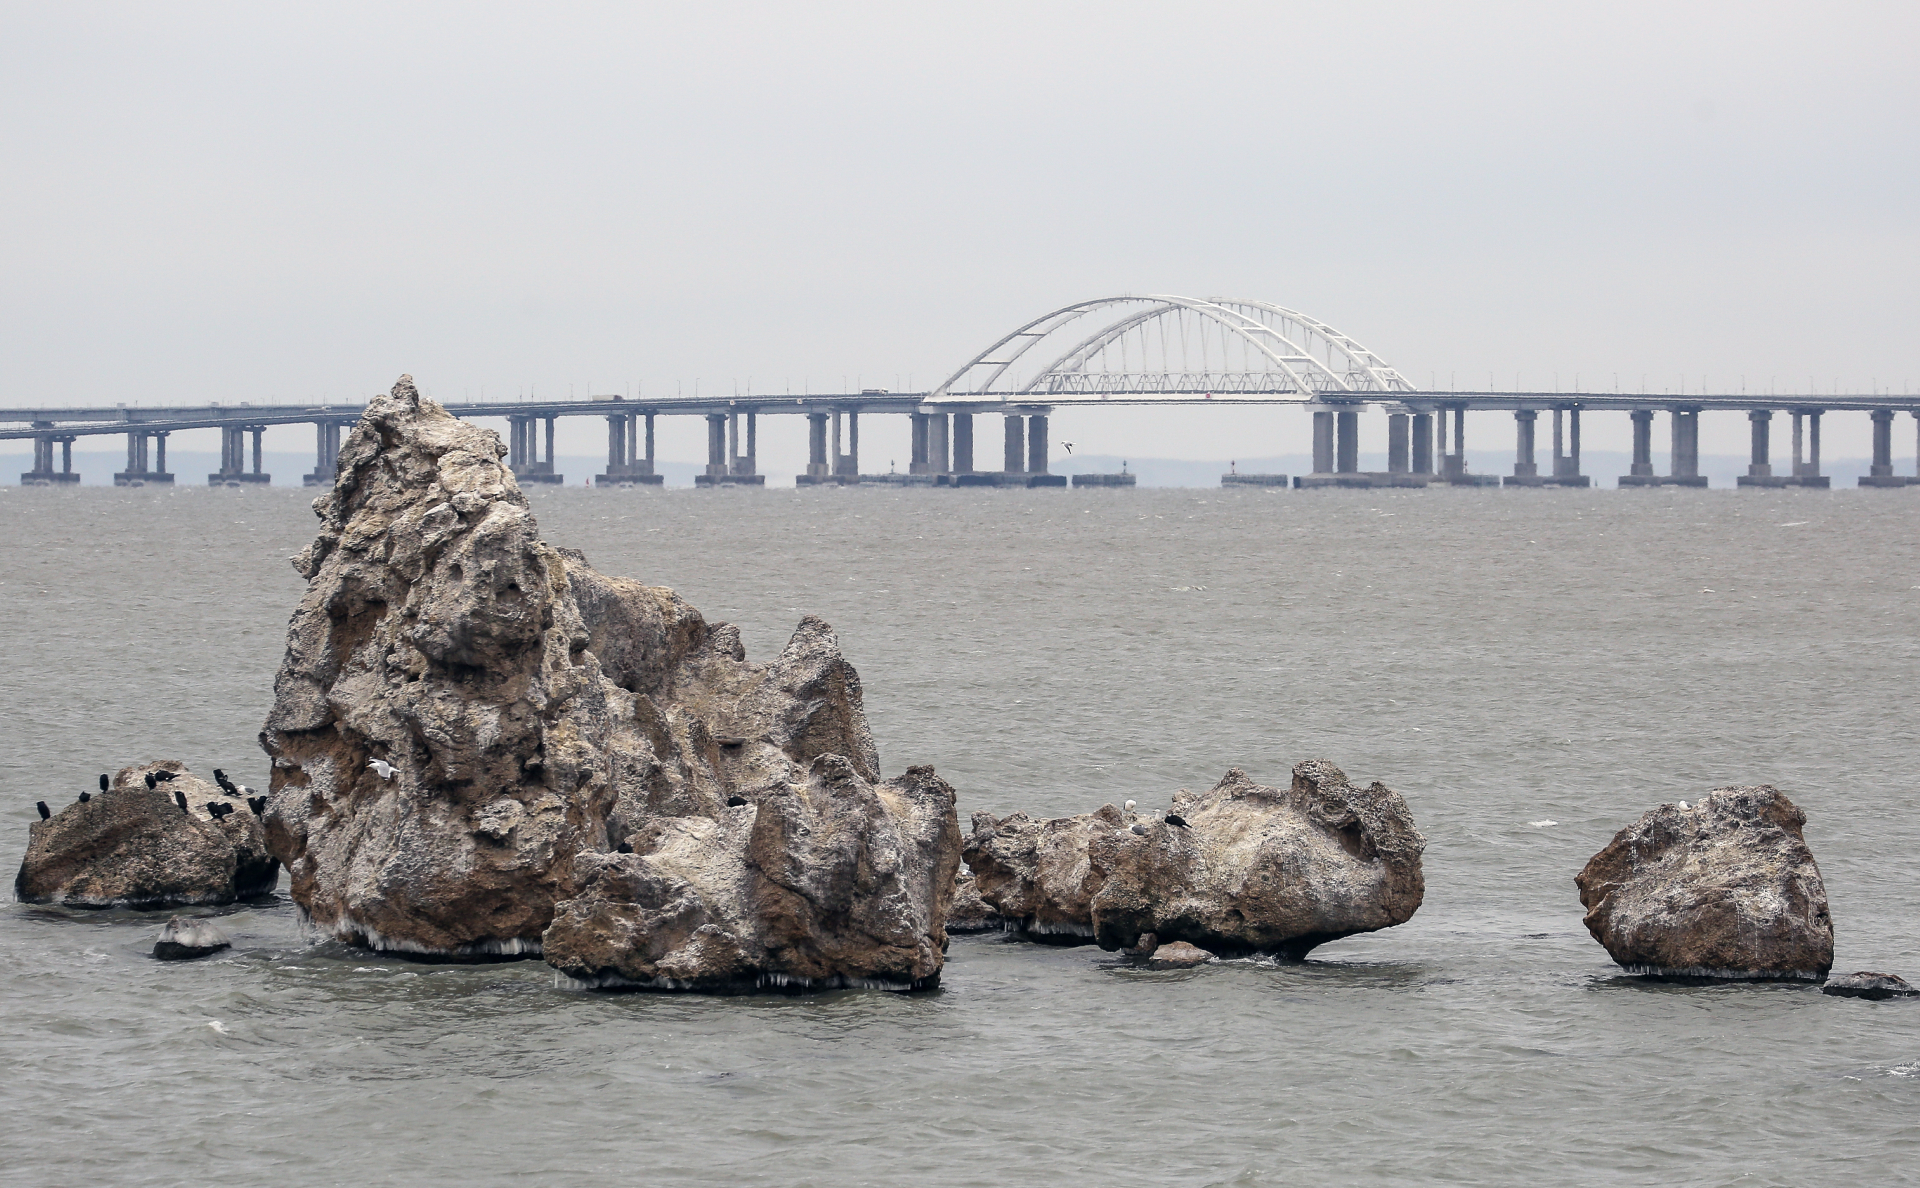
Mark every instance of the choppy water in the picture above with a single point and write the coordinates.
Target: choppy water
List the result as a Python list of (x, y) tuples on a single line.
[(1499, 657)]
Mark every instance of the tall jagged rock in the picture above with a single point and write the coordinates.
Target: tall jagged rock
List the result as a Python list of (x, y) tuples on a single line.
[(1724, 888), (1239, 868), (545, 724)]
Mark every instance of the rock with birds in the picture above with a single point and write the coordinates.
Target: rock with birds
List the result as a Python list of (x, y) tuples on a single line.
[(145, 848)]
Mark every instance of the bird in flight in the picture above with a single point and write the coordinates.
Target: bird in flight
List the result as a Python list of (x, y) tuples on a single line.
[(386, 770), (1068, 446)]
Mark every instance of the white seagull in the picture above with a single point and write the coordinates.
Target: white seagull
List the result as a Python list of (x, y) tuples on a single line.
[(386, 770)]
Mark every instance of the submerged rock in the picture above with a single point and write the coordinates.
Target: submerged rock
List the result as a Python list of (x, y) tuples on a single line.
[(1239, 868), (1724, 889), (1866, 984), (1178, 955), (969, 913), (133, 846), (182, 939), (555, 736)]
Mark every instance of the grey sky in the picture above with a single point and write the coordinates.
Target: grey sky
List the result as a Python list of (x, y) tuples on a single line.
[(211, 201)]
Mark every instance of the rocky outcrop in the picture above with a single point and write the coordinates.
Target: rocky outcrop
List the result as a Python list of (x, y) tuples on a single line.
[(832, 881), (1240, 868), (183, 940), (1870, 985), (134, 846), (1723, 889), (556, 736)]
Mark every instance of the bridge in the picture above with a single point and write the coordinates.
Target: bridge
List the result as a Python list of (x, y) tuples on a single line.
[(1129, 350)]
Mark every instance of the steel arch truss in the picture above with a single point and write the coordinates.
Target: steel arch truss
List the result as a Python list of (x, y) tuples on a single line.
[(1163, 347)]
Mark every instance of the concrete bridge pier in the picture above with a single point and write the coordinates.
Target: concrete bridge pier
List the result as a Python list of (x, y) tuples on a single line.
[(1806, 451), (1880, 473), (962, 443), (1014, 457), (326, 462), (1037, 475), (846, 467), (137, 472), (727, 466), (1566, 450), (523, 450), (1423, 443), (233, 457), (1760, 464), (1453, 467), (1640, 470), (1526, 471), (1323, 450), (818, 471), (627, 466), (1346, 442), (43, 474), (1686, 449), (1397, 461)]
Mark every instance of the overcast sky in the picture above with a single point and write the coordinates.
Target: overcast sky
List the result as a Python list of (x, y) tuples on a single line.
[(270, 201)]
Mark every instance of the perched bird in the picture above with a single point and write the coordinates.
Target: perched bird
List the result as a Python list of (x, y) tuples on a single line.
[(1129, 806), (85, 796), (245, 791), (152, 783), (1176, 820), (218, 809), (736, 801), (104, 782), (180, 798), (226, 785), (165, 776), (1139, 828), (258, 804), (623, 848), (385, 770), (42, 806)]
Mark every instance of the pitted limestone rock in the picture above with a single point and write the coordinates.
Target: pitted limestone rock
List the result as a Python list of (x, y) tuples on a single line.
[(1725, 888), (539, 717), (1239, 868)]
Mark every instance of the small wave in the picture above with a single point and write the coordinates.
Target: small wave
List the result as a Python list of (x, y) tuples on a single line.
[(1905, 1070), (218, 1026)]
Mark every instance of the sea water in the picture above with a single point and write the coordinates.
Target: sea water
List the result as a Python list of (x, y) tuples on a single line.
[(1504, 659)]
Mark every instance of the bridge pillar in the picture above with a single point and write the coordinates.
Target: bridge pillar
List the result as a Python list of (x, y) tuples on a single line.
[(1806, 470), (1322, 442), (1423, 443), (1015, 454), (1760, 466), (1640, 471), (1526, 471), (43, 474), (625, 467), (1396, 443), (937, 443), (1686, 449), (1880, 474), (1454, 465), (716, 445), (138, 470), (963, 443), (917, 456), (847, 465), (259, 449), (1346, 458), (817, 467), (326, 460), (1566, 449)]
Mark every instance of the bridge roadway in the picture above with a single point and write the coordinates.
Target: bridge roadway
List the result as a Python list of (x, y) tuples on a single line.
[(1422, 446)]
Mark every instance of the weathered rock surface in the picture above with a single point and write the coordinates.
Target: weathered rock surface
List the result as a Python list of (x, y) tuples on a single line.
[(969, 913), (1240, 868), (182, 939), (1178, 955), (557, 736), (1866, 984), (132, 846), (831, 881), (1724, 889)]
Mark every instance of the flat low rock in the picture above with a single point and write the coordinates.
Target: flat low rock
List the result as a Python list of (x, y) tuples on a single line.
[(1725, 888), (1240, 868), (132, 846), (1866, 984), (182, 939)]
